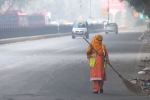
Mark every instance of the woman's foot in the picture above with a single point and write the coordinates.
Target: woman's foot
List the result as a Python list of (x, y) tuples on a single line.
[(95, 92), (101, 91)]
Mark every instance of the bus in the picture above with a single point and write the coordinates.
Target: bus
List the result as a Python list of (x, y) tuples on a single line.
[(39, 19), (14, 18)]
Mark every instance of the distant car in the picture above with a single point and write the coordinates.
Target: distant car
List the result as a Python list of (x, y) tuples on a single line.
[(111, 27), (54, 23), (80, 29), (69, 23)]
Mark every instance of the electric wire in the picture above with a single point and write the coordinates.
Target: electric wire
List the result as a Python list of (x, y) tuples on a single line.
[(90, 15)]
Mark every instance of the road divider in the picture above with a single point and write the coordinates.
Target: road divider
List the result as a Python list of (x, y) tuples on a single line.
[(21, 39), (25, 31), (11, 34)]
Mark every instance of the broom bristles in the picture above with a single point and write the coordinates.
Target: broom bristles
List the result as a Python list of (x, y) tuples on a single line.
[(134, 88)]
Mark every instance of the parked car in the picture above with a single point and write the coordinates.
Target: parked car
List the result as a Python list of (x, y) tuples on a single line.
[(80, 29), (69, 23), (111, 27)]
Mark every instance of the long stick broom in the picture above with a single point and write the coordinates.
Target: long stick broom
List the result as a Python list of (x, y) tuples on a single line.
[(133, 88)]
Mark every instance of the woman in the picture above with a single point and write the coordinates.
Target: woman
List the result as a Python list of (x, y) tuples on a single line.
[(97, 60)]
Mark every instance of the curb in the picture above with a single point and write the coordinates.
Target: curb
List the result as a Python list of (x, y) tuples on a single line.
[(21, 39)]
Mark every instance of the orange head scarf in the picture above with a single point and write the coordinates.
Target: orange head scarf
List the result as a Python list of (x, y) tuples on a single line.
[(96, 43)]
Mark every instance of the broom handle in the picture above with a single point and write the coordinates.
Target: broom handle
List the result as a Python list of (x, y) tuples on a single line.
[(103, 57)]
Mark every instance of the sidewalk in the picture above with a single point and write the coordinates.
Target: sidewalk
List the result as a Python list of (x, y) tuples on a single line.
[(142, 68)]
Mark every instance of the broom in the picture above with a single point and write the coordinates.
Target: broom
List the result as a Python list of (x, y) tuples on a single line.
[(133, 88)]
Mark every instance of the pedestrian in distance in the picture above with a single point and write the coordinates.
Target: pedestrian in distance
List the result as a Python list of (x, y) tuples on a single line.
[(98, 58)]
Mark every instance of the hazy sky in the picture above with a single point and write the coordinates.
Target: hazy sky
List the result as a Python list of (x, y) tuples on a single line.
[(72, 10)]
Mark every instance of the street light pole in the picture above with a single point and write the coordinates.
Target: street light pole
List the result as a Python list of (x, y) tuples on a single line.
[(108, 11)]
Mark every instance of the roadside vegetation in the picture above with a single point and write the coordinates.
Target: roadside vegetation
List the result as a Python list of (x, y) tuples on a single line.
[(141, 6)]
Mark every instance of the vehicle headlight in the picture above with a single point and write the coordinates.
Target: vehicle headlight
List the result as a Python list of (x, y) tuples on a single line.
[(85, 30), (73, 30)]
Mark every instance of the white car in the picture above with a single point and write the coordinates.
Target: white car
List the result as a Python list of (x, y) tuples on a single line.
[(54, 23), (69, 23), (80, 29), (111, 27)]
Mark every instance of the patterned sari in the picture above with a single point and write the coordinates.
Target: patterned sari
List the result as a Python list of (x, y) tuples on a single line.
[(98, 71)]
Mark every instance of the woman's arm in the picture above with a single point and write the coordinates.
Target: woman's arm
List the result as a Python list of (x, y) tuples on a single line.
[(89, 53)]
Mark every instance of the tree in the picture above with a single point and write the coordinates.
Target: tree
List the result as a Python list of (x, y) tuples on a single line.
[(2, 2), (14, 3), (142, 6)]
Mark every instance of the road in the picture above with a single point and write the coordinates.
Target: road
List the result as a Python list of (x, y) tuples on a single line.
[(57, 69)]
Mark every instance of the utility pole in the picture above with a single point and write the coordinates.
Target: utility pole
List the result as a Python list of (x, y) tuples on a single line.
[(108, 11)]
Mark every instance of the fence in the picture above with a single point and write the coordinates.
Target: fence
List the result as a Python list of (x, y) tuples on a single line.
[(13, 31)]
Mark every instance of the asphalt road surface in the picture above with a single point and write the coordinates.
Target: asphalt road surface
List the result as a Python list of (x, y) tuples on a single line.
[(57, 68)]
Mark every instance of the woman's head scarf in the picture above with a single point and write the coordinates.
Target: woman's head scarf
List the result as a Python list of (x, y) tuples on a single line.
[(96, 43)]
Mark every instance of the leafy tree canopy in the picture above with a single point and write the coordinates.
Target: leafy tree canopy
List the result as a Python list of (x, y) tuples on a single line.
[(142, 6), (10, 4)]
